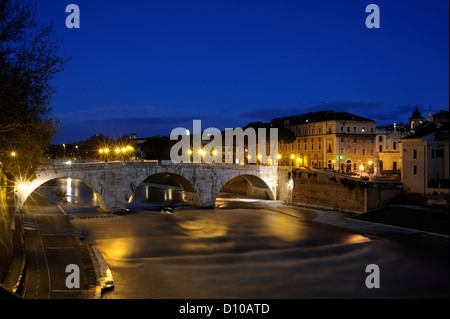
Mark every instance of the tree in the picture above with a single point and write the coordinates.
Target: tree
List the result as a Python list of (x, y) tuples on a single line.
[(29, 61)]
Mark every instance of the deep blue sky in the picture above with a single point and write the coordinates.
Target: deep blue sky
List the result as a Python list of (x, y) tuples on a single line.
[(147, 67)]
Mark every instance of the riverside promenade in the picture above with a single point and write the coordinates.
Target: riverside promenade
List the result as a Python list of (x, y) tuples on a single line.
[(45, 243)]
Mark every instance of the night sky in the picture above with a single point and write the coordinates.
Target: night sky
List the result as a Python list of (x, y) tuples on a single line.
[(147, 67)]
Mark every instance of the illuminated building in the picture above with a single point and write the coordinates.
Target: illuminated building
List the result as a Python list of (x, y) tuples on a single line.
[(329, 139)]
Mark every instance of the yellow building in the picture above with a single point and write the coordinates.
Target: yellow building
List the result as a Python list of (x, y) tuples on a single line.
[(327, 139), (388, 146)]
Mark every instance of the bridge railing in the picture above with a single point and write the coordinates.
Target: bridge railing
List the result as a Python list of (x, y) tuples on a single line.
[(78, 164)]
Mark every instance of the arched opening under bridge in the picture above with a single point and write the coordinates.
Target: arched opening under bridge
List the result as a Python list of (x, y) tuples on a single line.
[(242, 191), (162, 191)]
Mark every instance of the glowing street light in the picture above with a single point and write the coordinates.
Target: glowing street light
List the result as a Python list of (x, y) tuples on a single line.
[(13, 154), (22, 186)]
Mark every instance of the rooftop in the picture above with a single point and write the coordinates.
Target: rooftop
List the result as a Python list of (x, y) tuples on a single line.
[(322, 116)]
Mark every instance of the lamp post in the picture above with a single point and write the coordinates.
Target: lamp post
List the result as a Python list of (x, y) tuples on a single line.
[(64, 145)]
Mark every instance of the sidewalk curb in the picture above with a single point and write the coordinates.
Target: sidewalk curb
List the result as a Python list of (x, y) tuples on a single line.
[(16, 274), (98, 289)]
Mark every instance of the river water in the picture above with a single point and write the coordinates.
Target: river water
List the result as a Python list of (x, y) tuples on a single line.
[(240, 250)]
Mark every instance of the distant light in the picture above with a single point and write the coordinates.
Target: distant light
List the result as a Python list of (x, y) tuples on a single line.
[(13, 154), (23, 186), (279, 156), (69, 162), (187, 132)]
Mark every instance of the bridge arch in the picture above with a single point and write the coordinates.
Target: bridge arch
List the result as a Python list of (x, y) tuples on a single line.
[(247, 184), (191, 195), (23, 194)]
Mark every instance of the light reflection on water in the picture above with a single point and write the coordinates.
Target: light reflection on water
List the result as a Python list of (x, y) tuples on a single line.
[(245, 253), (69, 191), (155, 196)]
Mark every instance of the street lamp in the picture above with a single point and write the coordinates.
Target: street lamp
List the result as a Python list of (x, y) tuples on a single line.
[(64, 145)]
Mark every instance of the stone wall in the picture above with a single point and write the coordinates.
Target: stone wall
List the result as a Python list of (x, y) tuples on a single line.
[(332, 191)]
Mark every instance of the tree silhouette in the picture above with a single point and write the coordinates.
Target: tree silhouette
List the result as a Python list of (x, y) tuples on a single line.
[(29, 61)]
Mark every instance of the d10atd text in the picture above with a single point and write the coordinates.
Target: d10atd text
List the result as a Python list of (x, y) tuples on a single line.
[(246, 308)]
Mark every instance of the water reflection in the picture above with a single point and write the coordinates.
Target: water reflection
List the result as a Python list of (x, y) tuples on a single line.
[(70, 191), (152, 196), (242, 252)]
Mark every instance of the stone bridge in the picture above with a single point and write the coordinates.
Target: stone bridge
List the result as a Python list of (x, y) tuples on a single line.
[(115, 182)]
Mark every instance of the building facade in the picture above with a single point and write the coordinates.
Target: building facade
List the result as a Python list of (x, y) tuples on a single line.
[(425, 156), (388, 148), (335, 140)]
